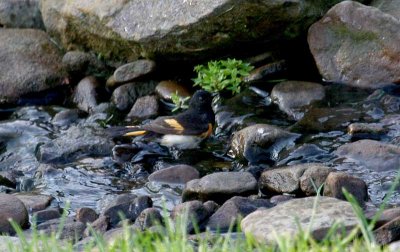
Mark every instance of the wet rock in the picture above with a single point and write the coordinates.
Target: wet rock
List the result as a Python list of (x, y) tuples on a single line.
[(255, 170), (220, 186), (145, 107), (388, 6), (293, 96), (12, 208), (327, 119), (233, 210), (313, 177), (284, 218), (279, 199), (176, 174), (74, 143), (126, 95), (130, 210), (350, 49), (211, 207), (194, 211), (386, 216), (336, 181), (86, 94), (282, 180), (79, 63), (165, 89), (35, 202), (134, 70), (265, 71), (122, 29), (8, 178), (21, 14), (123, 198), (47, 214), (148, 217), (86, 215), (30, 61), (374, 155), (100, 226), (260, 142), (388, 233), (66, 117), (366, 130)]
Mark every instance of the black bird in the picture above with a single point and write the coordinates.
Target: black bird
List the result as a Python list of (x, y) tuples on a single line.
[(185, 130)]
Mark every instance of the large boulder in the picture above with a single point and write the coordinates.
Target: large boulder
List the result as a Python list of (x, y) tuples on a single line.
[(29, 62), (21, 14), (357, 45), (12, 208), (190, 29), (389, 6)]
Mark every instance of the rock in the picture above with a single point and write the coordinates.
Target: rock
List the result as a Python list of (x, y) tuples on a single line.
[(126, 95), (86, 215), (12, 208), (326, 119), (86, 94), (293, 96), (15, 242), (193, 212), (260, 142), (386, 216), (165, 89), (35, 202), (313, 177), (21, 14), (336, 181), (123, 198), (279, 199), (133, 29), (233, 210), (284, 219), (388, 6), (176, 174), (374, 155), (134, 70), (211, 207), (394, 246), (74, 143), (30, 61), (266, 71), (220, 186), (361, 130), (100, 226), (47, 214), (118, 234), (145, 107), (130, 210), (80, 64), (66, 117), (8, 178), (149, 217), (388, 233), (282, 180), (71, 230), (350, 49)]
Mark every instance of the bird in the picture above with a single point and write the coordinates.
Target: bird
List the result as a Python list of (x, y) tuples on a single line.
[(185, 130)]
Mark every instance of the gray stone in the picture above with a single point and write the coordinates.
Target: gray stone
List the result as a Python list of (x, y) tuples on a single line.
[(293, 96), (388, 6), (12, 208), (46, 214), (220, 186), (165, 89), (282, 180), (211, 207), (394, 246), (313, 177), (149, 217), (388, 233), (233, 210), (192, 211), (260, 142), (15, 242), (86, 94), (35, 202), (352, 49), (66, 117), (279, 199), (82, 63), (336, 181), (145, 107), (134, 70), (20, 14), (74, 143), (29, 62), (126, 95), (284, 219), (100, 226), (374, 155), (176, 174), (71, 230), (86, 215), (8, 178)]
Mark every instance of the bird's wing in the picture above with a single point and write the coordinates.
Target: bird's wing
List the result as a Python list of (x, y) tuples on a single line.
[(180, 125)]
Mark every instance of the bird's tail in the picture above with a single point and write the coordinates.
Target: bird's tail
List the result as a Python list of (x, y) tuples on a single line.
[(119, 131)]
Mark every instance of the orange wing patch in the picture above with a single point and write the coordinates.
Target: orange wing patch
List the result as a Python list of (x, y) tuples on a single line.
[(135, 133), (208, 132), (174, 124)]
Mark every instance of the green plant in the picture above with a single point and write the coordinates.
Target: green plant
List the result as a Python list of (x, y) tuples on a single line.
[(180, 102), (222, 75)]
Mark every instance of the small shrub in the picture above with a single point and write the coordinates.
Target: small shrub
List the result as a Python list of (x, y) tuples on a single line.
[(222, 75), (179, 102)]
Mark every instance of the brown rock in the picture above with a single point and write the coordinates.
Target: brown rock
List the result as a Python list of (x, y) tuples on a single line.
[(35, 202), (99, 226), (176, 174), (12, 208), (86, 215), (145, 107), (388, 232), (165, 89)]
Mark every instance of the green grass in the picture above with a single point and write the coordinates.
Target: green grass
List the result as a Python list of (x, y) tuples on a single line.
[(173, 237)]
